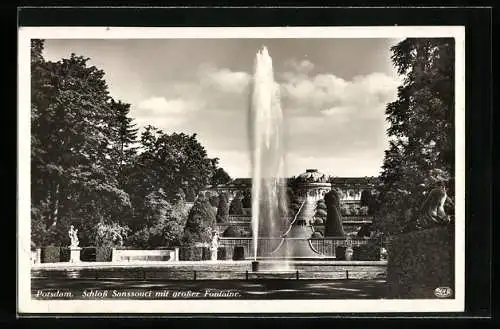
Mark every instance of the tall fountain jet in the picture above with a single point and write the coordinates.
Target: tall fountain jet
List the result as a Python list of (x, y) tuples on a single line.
[(267, 155)]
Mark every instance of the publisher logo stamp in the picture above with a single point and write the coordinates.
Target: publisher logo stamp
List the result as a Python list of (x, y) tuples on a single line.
[(443, 292)]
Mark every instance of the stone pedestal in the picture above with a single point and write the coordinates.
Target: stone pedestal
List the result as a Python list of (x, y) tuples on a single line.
[(75, 254), (176, 253), (38, 259), (213, 254)]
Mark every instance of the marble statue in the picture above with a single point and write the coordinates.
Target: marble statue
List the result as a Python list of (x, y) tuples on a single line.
[(432, 211), (215, 246), (73, 235)]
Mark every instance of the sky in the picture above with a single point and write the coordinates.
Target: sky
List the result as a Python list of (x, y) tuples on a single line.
[(333, 94)]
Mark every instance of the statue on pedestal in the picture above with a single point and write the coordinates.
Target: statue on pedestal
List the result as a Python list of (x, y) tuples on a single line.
[(215, 246), (74, 249), (349, 251), (73, 235), (432, 211)]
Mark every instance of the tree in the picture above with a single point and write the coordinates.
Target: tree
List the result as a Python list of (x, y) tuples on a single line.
[(112, 234), (421, 129), (125, 135), (200, 222), (72, 182), (89, 170), (219, 177), (171, 161), (163, 222), (223, 208), (333, 225)]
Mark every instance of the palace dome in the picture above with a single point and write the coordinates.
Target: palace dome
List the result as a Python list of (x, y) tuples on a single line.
[(313, 176)]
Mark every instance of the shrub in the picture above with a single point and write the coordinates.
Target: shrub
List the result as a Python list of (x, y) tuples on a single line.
[(316, 235), (236, 207), (369, 251), (223, 209), (340, 253), (65, 254), (104, 254), (200, 222), (191, 253), (239, 253), (51, 254), (318, 221), (214, 200), (206, 253), (321, 213), (232, 232), (110, 234), (333, 224), (321, 204), (420, 261), (221, 253), (88, 254)]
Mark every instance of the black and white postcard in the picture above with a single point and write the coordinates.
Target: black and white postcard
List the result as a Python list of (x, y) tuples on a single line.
[(241, 170)]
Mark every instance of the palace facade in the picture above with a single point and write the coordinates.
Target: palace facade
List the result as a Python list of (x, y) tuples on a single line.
[(310, 186)]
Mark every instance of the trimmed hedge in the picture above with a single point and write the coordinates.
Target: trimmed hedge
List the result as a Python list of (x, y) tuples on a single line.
[(340, 253), (366, 252), (232, 232), (318, 221), (419, 262), (316, 235), (191, 253), (51, 254), (206, 254), (221, 253), (239, 253), (64, 254), (88, 254)]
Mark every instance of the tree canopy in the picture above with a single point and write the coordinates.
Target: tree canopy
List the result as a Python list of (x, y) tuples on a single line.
[(91, 166), (421, 131)]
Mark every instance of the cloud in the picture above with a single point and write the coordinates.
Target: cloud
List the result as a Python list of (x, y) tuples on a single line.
[(225, 80), (337, 110), (329, 117), (212, 103), (326, 94), (222, 79), (330, 121), (160, 106), (303, 66)]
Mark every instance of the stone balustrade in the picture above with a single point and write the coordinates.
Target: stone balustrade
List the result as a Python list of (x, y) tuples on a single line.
[(127, 255), (325, 246)]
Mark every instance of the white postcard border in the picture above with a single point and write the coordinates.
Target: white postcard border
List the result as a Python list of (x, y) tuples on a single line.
[(28, 305)]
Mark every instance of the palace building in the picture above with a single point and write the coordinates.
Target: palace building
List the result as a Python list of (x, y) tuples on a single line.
[(310, 186)]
